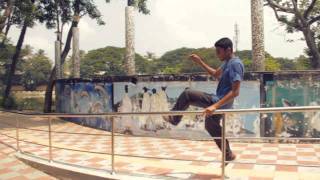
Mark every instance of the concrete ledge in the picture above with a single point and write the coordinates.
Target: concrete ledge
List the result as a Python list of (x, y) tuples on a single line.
[(64, 171), (68, 171)]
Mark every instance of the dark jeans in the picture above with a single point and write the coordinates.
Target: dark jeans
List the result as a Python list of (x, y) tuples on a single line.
[(204, 100)]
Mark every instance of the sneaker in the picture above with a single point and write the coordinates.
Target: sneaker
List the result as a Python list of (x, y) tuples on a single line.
[(232, 157), (170, 120)]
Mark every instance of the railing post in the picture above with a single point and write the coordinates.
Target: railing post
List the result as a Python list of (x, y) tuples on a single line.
[(17, 134), (50, 140), (112, 145), (223, 144)]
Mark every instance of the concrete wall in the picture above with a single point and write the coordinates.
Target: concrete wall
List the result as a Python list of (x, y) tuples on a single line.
[(265, 89)]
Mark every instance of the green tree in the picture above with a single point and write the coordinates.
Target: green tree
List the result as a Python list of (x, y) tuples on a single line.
[(177, 61), (301, 16), (6, 7), (171, 62), (248, 64), (208, 54), (272, 64), (24, 16), (302, 63), (244, 54), (109, 61), (60, 12), (286, 64), (5, 59), (36, 70), (5, 55)]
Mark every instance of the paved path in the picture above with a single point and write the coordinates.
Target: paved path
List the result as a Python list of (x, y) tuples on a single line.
[(11, 168), (190, 152)]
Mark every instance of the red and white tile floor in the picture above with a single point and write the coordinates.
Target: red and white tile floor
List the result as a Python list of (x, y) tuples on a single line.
[(193, 153), (13, 169)]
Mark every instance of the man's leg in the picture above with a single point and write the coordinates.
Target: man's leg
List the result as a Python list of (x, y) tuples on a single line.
[(212, 125), (190, 97)]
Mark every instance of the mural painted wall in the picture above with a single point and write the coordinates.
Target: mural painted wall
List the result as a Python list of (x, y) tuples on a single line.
[(281, 90), (85, 97), (293, 92), (161, 96)]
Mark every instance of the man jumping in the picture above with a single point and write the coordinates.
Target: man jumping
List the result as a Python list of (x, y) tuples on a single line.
[(230, 74)]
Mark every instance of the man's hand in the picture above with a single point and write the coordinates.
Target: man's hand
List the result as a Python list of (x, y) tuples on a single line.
[(209, 110), (195, 58)]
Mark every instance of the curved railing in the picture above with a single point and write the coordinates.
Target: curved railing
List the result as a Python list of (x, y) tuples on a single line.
[(51, 116)]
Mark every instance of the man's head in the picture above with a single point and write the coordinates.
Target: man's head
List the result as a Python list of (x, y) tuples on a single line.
[(224, 49)]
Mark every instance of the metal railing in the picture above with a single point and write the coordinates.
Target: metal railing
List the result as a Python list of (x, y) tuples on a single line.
[(112, 115)]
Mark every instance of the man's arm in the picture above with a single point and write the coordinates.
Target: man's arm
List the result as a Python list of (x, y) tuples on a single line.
[(214, 72), (229, 97), (236, 73)]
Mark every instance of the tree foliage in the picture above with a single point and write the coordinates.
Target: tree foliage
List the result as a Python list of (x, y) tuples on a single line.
[(272, 64), (301, 16), (31, 66), (109, 61), (140, 4), (78, 9), (35, 70), (54, 12)]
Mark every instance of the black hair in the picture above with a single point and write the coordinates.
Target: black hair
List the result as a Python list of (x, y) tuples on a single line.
[(164, 88), (224, 43), (154, 91), (145, 89)]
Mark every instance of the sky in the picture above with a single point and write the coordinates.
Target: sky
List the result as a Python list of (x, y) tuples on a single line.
[(173, 24)]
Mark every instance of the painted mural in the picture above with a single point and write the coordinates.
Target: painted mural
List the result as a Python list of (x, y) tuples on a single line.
[(293, 92), (94, 96), (85, 97), (161, 96)]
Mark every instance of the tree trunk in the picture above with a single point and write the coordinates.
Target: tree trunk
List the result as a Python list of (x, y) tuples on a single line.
[(50, 85), (258, 52), (6, 24), (57, 54), (6, 15), (315, 54), (6, 34), (48, 93), (75, 54), (15, 59), (130, 52)]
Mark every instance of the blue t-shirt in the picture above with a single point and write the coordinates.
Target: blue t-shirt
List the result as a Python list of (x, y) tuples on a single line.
[(233, 70)]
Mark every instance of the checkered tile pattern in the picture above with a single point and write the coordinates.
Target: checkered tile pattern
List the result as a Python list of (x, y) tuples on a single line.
[(164, 149), (13, 169)]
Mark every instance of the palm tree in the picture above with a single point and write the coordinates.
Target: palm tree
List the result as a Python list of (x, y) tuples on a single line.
[(130, 31), (258, 53), (130, 51)]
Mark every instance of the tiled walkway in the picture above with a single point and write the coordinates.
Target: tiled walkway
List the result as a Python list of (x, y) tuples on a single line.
[(163, 149), (11, 168)]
